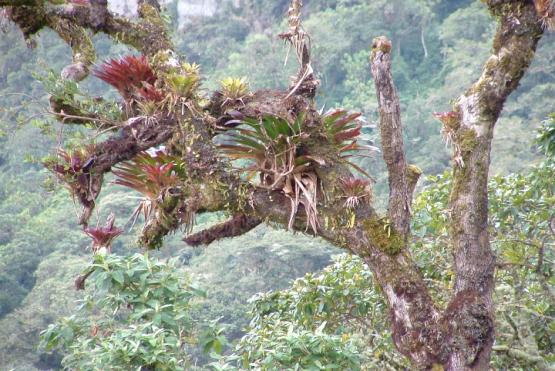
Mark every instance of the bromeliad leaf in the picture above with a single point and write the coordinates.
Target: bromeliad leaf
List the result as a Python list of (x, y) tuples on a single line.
[(343, 130), (128, 75), (273, 147), (151, 176), (103, 236)]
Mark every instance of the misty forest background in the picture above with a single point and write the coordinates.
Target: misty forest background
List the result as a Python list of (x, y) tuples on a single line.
[(439, 49)]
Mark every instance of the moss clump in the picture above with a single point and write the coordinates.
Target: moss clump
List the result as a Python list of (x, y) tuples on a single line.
[(150, 14), (381, 43), (383, 235), (502, 8), (413, 173), (29, 19), (468, 139)]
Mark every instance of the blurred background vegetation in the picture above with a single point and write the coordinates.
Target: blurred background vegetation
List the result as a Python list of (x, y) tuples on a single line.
[(439, 48)]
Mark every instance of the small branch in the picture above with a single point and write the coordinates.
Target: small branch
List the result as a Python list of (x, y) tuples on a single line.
[(423, 41), (137, 136), (80, 280), (391, 133), (413, 174), (521, 355), (304, 83), (541, 277), (236, 226)]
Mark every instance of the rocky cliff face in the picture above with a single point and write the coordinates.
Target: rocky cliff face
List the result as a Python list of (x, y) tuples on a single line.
[(185, 8)]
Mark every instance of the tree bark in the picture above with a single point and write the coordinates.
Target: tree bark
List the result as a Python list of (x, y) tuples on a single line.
[(391, 134), (477, 112)]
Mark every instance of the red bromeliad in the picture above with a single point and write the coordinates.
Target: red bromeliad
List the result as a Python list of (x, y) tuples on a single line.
[(103, 236), (130, 75), (149, 175), (355, 190)]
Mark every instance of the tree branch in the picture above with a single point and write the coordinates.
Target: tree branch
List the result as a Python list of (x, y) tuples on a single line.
[(239, 224), (391, 132), (148, 35), (470, 126), (305, 83)]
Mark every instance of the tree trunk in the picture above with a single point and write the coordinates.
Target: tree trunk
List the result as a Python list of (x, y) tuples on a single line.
[(470, 313)]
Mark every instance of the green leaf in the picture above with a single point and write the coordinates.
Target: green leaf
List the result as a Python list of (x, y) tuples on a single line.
[(118, 277)]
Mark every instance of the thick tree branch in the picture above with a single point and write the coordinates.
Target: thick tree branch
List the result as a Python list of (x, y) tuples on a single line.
[(391, 132), (479, 108), (239, 224), (474, 116), (148, 35)]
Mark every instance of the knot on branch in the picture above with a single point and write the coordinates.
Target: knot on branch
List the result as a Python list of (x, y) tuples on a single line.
[(75, 71), (381, 44), (98, 13), (421, 338), (469, 325)]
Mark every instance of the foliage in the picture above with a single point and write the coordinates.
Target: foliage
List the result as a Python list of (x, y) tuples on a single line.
[(355, 190), (70, 166), (51, 297), (234, 270), (150, 175), (70, 93), (343, 129), (276, 152), (546, 137), (274, 147), (331, 320), (341, 126), (185, 85), (129, 75), (234, 89), (73, 170), (136, 313)]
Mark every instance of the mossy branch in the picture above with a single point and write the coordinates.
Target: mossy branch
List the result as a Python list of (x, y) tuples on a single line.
[(391, 133), (148, 34), (238, 225), (476, 113)]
